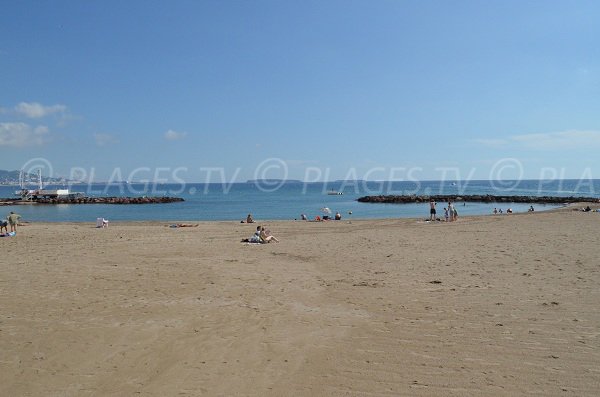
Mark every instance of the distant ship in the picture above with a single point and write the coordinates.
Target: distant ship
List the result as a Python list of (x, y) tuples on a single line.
[(334, 193)]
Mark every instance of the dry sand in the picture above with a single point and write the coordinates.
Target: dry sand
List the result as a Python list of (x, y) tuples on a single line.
[(493, 305)]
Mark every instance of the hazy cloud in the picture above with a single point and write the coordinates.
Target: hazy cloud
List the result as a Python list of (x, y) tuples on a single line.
[(174, 135), (21, 135), (36, 110), (105, 139), (559, 140), (492, 142), (571, 139)]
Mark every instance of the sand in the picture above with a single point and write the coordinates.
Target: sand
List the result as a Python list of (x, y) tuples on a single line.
[(493, 305)]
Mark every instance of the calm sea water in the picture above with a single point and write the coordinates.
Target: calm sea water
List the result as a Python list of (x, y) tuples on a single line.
[(288, 200)]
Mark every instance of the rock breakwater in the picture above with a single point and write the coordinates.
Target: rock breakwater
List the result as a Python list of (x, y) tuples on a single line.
[(97, 200), (407, 199)]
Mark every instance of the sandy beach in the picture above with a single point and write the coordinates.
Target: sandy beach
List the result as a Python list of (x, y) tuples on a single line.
[(491, 305)]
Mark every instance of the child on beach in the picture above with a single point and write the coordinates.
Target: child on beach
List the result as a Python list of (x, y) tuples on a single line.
[(446, 213)]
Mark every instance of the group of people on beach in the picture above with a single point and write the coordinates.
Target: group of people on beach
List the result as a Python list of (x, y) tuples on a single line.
[(509, 210), (13, 220), (450, 212), (318, 218)]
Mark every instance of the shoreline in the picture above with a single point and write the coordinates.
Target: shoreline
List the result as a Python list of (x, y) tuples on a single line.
[(566, 207)]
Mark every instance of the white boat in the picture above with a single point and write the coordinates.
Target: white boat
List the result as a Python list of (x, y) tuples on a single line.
[(334, 193)]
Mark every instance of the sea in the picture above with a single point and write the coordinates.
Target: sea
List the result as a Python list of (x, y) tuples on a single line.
[(284, 200)]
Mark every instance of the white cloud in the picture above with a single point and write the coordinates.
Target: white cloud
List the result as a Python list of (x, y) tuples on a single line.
[(36, 110), (174, 135), (21, 135), (105, 139), (572, 139)]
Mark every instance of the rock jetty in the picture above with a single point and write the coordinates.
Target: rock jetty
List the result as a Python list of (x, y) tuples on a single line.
[(406, 199), (97, 200)]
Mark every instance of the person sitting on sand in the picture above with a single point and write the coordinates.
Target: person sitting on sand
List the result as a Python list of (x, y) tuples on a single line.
[(509, 211), (255, 237), (13, 220), (249, 219), (303, 217), (266, 236), (531, 209), (338, 216)]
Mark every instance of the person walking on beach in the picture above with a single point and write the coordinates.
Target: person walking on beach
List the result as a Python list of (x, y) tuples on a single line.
[(432, 204), (13, 220)]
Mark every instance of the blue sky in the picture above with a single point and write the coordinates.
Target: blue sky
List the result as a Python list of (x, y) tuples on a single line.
[(318, 89)]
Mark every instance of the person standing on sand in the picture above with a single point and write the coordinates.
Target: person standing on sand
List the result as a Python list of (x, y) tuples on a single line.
[(13, 220), (432, 204), (451, 211)]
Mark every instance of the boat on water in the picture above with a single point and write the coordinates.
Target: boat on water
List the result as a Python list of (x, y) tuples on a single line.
[(334, 193)]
